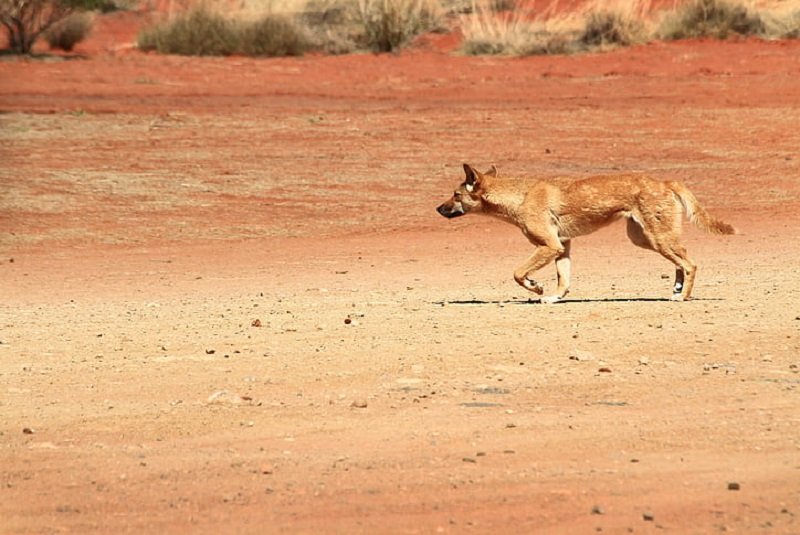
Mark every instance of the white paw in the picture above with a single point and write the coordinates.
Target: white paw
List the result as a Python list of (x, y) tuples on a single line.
[(550, 299), (676, 297)]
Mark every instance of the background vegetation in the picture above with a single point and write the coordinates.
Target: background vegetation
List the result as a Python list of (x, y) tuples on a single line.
[(509, 27)]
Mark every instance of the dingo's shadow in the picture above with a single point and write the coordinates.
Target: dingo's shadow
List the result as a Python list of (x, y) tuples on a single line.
[(479, 302)]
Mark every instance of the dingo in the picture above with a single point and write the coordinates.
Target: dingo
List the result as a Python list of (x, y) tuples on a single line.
[(551, 212)]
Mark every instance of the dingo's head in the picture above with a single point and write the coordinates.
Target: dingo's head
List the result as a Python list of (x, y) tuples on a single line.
[(468, 196)]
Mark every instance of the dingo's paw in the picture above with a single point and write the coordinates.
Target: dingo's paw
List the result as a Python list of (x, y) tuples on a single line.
[(533, 286), (550, 299)]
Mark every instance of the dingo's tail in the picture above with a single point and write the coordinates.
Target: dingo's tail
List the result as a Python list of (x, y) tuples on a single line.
[(697, 214)]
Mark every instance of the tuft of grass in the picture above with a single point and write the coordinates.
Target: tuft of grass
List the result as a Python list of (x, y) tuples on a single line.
[(711, 18), (516, 33), (333, 25), (70, 31), (198, 32), (201, 32), (389, 24), (610, 28), (783, 25), (274, 35)]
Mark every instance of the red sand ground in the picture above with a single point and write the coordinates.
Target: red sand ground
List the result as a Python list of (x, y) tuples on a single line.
[(154, 207)]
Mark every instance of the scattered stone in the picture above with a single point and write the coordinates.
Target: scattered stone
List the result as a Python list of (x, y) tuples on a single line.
[(604, 369), (481, 454), (348, 321), (225, 397), (648, 517), (27, 430), (644, 361), (469, 460), (256, 323), (43, 446), (733, 485), (597, 510), (67, 509), (511, 425), (580, 356), (210, 351), (359, 404)]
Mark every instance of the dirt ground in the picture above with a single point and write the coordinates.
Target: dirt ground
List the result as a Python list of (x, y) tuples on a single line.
[(228, 305)]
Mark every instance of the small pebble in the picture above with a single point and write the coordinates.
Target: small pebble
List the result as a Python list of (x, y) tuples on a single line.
[(597, 510), (604, 369), (359, 404), (648, 517), (733, 485)]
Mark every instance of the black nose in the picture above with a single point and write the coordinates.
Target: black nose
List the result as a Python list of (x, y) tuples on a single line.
[(442, 210)]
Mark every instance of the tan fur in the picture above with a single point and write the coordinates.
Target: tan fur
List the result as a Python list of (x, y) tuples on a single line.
[(552, 211)]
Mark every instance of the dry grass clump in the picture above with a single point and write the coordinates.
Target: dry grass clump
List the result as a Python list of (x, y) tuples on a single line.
[(333, 25), (606, 28), (515, 33), (389, 24), (783, 23), (711, 18), (198, 32), (525, 33), (70, 31), (273, 35), (202, 32)]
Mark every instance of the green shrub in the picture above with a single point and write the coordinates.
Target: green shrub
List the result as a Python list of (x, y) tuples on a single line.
[(608, 28), (195, 33), (711, 18), (273, 35), (389, 24), (69, 32)]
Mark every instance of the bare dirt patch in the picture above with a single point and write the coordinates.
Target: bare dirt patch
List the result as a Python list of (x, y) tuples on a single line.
[(397, 379)]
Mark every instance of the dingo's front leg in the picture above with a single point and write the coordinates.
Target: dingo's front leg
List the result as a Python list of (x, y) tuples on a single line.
[(542, 256), (563, 269)]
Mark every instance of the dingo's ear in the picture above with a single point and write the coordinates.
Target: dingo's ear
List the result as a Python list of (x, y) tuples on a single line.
[(492, 171), (473, 177)]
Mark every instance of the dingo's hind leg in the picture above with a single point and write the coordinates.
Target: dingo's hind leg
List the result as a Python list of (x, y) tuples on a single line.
[(662, 237)]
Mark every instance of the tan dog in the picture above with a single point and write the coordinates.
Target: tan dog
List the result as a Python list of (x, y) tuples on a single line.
[(551, 212)]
